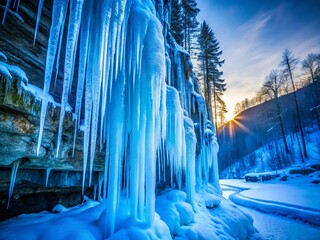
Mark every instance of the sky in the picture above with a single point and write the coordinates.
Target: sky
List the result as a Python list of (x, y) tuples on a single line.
[(253, 34)]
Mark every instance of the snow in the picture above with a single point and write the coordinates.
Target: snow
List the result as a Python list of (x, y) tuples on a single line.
[(271, 227), (59, 208), (3, 57), (13, 71), (38, 93), (174, 218), (297, 198), (4, 70)]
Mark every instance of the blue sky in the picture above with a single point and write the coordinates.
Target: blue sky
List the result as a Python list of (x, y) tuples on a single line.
[(253, 35)]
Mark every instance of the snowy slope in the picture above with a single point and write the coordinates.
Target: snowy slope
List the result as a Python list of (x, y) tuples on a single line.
[(264, 161)]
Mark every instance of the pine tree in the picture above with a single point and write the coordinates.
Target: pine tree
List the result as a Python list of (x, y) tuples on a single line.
[(189, 21), (209, 59), (222, 110), (176, 24)]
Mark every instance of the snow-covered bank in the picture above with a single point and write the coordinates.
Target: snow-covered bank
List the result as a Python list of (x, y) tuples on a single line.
[(296, 198), (274, 227), (209, 217)]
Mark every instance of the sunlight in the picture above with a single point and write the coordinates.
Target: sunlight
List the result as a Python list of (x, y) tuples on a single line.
[(229, 115), (234, 121)]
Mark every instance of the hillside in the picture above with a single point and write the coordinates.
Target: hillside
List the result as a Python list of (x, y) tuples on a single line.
[(259, 126)]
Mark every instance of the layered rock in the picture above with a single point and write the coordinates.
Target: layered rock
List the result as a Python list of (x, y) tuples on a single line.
[(19, 126)]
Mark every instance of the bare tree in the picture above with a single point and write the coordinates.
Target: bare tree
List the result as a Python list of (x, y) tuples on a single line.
[(271, 87), (289, 63), (311, 65)]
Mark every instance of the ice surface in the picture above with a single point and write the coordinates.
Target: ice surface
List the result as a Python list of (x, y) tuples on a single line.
[(296, 198)]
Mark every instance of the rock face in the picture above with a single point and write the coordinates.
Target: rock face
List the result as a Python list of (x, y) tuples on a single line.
[(16, 42), (19, 123)]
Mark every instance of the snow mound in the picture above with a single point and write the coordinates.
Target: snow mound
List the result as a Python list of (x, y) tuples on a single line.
[(199, 220), (59, 208), (14, 71), (4, 70), (177, 196), (3, 57)]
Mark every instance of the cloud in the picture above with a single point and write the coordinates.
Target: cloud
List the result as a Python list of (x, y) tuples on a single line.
[(248, 59), (252, 44)]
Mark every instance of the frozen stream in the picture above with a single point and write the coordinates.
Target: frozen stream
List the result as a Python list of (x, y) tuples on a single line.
[(272, 227)]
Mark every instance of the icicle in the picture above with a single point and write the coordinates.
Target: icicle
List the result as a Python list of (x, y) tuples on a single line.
[(18, 5), (94, 192), (100, 180), (59, 51), (72, 38), (48, 171), (191, 142), (38, 20), (175, 142), (84, 44), (58, 14), (14, 4), (15, 166), (5, 11)]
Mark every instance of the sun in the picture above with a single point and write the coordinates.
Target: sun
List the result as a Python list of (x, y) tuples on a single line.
[(229, 115)]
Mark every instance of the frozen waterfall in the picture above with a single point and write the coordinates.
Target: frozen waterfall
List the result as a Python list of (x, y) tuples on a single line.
[(139, 99)]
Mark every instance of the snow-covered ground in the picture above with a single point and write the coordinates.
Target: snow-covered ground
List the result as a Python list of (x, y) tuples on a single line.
[(209, 217), (281, 210)]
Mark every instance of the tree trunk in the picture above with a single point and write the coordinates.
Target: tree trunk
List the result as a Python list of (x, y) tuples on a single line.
[(298, 113), (215, 108), (282, 127)]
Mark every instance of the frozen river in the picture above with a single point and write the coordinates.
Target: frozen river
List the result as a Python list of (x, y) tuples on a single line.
[(275, 227)]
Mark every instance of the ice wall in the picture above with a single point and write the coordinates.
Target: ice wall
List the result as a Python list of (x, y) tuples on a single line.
[(140, 99)]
